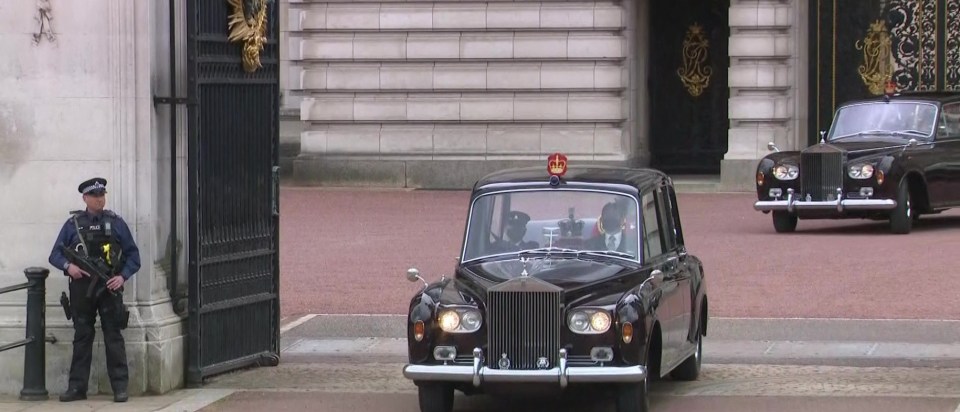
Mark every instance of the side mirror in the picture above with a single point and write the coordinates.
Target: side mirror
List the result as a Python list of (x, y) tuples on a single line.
[(657, 275), (413, 275), (772, 147)]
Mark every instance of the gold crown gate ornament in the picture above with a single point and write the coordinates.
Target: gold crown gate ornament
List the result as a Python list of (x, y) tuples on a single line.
[(248, 24)]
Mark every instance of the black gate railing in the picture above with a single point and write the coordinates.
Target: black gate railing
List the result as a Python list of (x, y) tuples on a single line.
[(35, 351), (233, 157)]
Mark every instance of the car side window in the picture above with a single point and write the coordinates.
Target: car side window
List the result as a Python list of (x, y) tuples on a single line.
[(664, 207), (652, 241), (950, 120), (677, 225)]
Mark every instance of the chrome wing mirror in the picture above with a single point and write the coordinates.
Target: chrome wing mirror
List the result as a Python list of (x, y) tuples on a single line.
[(772, 147), (413, 275)]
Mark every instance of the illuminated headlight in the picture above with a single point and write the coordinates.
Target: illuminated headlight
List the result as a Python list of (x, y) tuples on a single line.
[(861, 171), (460, 320), (588, 321), (786, 172)]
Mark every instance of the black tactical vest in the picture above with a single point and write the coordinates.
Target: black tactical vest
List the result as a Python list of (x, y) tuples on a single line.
[(98, 237)]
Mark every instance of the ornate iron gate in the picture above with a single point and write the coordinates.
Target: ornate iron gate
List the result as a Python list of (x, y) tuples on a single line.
[(233, 186), (689, 62), (856, 47)]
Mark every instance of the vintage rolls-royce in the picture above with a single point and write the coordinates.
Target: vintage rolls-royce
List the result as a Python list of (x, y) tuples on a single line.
[(893, 157), (567, 277)]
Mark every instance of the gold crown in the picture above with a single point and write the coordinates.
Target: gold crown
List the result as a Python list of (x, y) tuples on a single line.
[(557, 164)]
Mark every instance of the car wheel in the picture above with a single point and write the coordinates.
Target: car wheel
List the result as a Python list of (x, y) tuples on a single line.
[(633, 397), (901, 218), (435, 397), (784, 222), (689, 370)]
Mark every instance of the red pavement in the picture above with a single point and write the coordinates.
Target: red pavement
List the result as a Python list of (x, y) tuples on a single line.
[(347, 251)]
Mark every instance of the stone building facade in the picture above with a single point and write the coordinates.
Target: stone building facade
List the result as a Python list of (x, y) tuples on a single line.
[(435, 94)]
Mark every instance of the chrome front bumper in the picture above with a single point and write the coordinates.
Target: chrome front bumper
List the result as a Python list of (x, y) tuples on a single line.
[(793, 203), (562, 375)]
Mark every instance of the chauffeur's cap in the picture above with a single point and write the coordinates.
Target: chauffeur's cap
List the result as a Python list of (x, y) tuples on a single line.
[(516, 218), (95, 186)]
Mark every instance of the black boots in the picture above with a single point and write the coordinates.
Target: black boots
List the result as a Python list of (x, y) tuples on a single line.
[(72, 394), (76, 395)]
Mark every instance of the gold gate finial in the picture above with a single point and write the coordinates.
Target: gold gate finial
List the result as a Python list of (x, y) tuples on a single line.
[(877, 67), (694, 74), (248, 23)]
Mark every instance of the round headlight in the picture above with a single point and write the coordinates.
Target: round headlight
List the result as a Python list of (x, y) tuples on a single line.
[(786, 172), (449, 321), (861, 171), (600, 322), (580, 322), (471, 320), (460, 320), (589, 321)]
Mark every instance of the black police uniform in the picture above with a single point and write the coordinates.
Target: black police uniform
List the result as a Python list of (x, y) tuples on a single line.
[(106, 236)]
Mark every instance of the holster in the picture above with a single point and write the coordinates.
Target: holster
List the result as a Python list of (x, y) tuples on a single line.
[(65, 302), (122, 314)]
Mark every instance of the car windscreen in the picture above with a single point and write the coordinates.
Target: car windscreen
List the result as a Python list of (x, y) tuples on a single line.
[(903, 119), (564, 220)]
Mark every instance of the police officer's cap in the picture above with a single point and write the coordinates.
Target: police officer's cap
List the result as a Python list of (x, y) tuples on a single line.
[(95, 186), (517, 218)]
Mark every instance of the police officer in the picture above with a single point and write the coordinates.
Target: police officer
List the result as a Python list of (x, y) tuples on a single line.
[(97, 233)]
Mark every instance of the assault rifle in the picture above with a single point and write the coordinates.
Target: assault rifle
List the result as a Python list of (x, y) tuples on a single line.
[(97, 269)]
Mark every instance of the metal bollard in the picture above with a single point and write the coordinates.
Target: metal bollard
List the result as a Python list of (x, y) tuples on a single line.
[(35, 356)]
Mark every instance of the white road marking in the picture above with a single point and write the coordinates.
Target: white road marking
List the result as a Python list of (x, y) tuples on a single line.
[(958, 408), (303, 319)]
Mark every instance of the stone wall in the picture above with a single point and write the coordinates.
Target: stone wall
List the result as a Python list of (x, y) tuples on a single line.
[(434, 94), (77, 102)]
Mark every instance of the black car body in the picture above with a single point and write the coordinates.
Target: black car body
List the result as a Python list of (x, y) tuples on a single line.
[(893, 157), (560, 313)]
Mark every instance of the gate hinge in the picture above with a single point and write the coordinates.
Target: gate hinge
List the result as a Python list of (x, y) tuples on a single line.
[(173, 100)]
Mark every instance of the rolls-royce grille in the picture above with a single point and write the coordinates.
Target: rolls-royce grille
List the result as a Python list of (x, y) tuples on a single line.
[(821, 175), (526, 327)]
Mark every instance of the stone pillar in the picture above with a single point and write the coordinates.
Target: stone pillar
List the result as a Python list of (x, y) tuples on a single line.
[(77, 103), (767, 82)]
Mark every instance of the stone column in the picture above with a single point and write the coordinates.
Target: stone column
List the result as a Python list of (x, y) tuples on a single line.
[(77, 103), (767, 84)]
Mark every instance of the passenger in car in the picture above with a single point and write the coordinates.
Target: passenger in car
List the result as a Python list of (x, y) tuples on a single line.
[(611, 234)]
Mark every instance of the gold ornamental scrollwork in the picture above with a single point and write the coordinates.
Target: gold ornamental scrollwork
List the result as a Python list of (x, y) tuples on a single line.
[(877, 67), (695, 74), (248, 24)]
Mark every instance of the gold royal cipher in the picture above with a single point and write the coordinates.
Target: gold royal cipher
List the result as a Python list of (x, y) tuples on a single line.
[(248, 24), (877, 67)]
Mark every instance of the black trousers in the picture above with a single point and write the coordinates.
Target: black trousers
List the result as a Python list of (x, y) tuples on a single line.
[(85, 312)]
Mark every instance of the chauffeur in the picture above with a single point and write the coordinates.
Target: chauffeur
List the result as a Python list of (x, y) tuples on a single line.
[(98, 233)]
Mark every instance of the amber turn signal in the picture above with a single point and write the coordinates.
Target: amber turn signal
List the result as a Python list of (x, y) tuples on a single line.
[(759, 178), (627, 332), (879, 177), (418, 330)]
